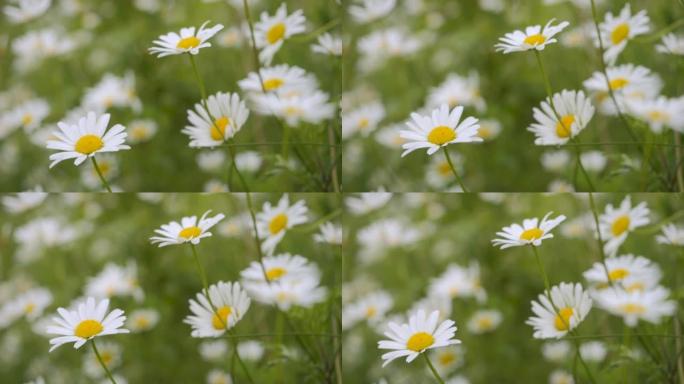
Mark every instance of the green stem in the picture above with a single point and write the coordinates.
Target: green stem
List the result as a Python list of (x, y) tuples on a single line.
[(584, 363), (547, 85), (203, 94), (432, 368), (540, 264), (200, 271), (657, 35), (453, 169), (104, 366), (241, 362), (583, 170), (599, 237), (99, 173)]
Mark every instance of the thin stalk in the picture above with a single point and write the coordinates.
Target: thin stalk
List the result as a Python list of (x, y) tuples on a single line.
[(241, 362), (583, 170), (584, 363), (99, 173), (599, 237), (542, 271), (104, 366), (453, 169), (203, 94), (200, 271), (432, 368), (547, 85)]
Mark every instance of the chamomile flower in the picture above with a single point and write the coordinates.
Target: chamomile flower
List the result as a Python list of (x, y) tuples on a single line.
[(534, 37), (384, 44), (457, 281), (446, 360), (284, 79), (251, 350), (555, 161), (86, 138), (660, 112), (616, 223), (568, 307), (364, 119), (484, 321), (370, 10), (271, 31), (594, 161), (556, 351), (226, 305), (489, 129), (362, 203), (671, 235), (29, 115), (188, 230), (26, 10), (370, 308), (24, 201), (274, 221), (650, 305), (439, 130), (312, 107), (616, 31), (574, 110), (216, 376), (111, 357), (560, 376), (328, 45), (632, 273), (458, 90), (531, 232), (30, 304), (189, 40), (227, 114), (329, 233), (420, 334), (86, 323), (594, 351), (439, 174), (628, 83), (142, 320), (278, 267), (213, 350), (115, 280), (141, 130), (113, 91), (671, 44), (286, 293)]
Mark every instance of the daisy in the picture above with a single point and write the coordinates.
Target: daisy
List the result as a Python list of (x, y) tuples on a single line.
[(671, 44), (227, 114), (560, 376), (420, 334), (568, 307), (88, 322), (113, 91), (489, 129), (286, 293), (36, 45), (24, 201), (278, 267), (328, 45), (226, 305), (594, 351), (274, 221), (312, 107), (439, 130), (616, 223), (30, 304), (249, 161), (659, 113), (362, 203), (556, 351), (216, 376), (186, 42), (382, 235), (364, 119), (457, 281), (534, 37), (574, 110), (251, 350), (555, 161), (532, 232), (29, 115), (672, 235), (458, 90), (26, 10), (370, 10), (632, 273), (594, 161), (628, 83), (384, 44), (85, 139), (111, 358), (616, 31), (115, 280), (329, 233), (142, 320), (141, 130), (370, 308), (284, 79), (188, 230), (214, 350), (484, 321), (439, 174), (448, 359), (633, 306), (107, 165), (271, 31)]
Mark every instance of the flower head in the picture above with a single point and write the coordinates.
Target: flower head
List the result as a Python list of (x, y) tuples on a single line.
[(671, 235), (649, 305), (616, 223), (616, 31), (534, 37), (569, 305), (439, 130), (671, 44), (227, 114), (188, 41), (226, 305), (531, 232), (632, 273), (274, 221), (575, 112), (271, 31), (188, 230)]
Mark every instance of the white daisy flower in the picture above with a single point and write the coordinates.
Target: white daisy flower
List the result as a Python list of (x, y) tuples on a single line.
[(632, 273), (458, 90), (555, 161), (249, 161), (594, 161), (214, 350), (312, 107), (420, 334), (141, 130), (446, 360), (650, 305), (286, 293), (108, 167), (534, 37), (217, 376), (672, 235), (574, 110), (489, 129), (382, 235), (88, 322), (115, 280), (556, 351), (439, 174), (284, 79), (271, 31), (628, 83), (230, 303), (371, 10), (329, 233), (274, 221), (671, 44), (532, 232), (560, 376), (364, 119), (35, 46), (660, 112), (186, 42), (457, 281), (251, 350), (594, 351), (328, 45), (616, 223), (227, 114), (110, 353), (278, 267), (26, 10), (142, 320), (568, 307), (188, 230), (30, 304), (24, 201), (113, 92), (439, 130), (28, 115), (384, 44), (370, 308), (483, 321), (85, 139), (362, 203), (616, 31)]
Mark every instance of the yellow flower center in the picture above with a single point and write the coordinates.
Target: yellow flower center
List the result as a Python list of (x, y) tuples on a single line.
[(535, 39), (635, 287), (363, 123), (632, 308), (188, 43), (531, 234), (371, 312), (659, 116), (29, 308), (419, 341), (106, 357), (273, 83), (485, 132), (618, 83), (562, 320), (142, 322), (485, 323), (619, 33), (620, 225), (27, 119), (446, 358), (278, 223), (220, 319), (618, 274), (218, 130), (275, 33), (190, 232), (88, 144), (293, 111), (563, 127), (444, 169), (275, 273), (88, 328), (441, 135)]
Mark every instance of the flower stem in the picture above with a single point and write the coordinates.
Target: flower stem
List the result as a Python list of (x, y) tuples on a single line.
[(540, 264), (241, 362), (584, 363), (453, 169), (583, 170), (203, 94), (547, 85), (104, 366), (99, 173), (599, 237), (432, 368), (200, 271)]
